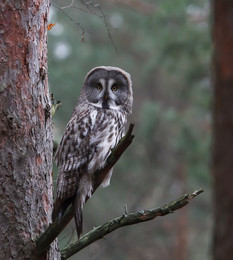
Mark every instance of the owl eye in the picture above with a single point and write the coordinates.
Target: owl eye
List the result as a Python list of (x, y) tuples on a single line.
[(99, 87), (114, 88)]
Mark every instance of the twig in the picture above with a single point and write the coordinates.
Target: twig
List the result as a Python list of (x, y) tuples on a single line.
[(125, 220), (91, 9), (107, 26), (68, 6), (101, 15), (69, 17), (55, 228)]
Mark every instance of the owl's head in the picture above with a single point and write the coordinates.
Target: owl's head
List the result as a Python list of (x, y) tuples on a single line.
[(108, 88)]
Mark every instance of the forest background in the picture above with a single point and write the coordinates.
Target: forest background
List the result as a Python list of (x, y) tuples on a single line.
[(167, 49)]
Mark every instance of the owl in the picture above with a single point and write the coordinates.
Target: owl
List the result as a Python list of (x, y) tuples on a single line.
[(96, 126)]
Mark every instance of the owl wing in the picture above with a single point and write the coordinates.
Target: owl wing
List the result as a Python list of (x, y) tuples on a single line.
[(73, 154), (73, 148), (72, 157)]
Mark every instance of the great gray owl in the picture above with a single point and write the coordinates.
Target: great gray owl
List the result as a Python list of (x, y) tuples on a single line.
[(96, 126)]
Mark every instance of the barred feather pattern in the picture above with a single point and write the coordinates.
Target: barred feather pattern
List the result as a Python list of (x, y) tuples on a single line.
[(86, 144), (96, 126)]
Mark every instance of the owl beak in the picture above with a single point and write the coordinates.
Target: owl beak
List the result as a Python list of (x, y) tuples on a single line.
[(106, 97)]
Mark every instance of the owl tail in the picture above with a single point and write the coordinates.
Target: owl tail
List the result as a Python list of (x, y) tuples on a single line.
[(77, 203)]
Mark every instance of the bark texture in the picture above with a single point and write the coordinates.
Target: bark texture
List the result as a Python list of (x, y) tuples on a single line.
[(223, 128), (25, 129)]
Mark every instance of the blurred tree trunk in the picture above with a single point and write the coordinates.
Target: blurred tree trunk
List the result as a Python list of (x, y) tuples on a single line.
[(223, 129), (25, 129)]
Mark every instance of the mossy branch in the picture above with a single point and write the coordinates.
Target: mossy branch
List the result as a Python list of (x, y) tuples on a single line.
[(55, 228), (125, 220)]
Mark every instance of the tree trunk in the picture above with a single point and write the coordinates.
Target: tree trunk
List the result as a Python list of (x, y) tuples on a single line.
[(25, 129), (223, 128)]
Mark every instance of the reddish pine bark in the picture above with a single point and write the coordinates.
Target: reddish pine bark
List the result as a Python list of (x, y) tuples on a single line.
[(25, 129), (223, 128)]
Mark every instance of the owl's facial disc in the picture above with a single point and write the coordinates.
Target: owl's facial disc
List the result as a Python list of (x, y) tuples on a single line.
[(107, 89)]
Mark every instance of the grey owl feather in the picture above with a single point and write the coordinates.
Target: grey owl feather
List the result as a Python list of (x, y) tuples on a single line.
[(96, 126)]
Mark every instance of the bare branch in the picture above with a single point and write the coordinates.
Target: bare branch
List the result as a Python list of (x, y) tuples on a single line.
[(69, 17), (107, 26), (125, 220), (55, 228), (91, 8), (68, 6)]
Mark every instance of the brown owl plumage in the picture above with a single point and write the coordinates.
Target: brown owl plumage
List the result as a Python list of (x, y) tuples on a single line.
[(96, 126)]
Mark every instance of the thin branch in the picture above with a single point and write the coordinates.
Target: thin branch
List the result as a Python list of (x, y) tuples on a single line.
[(90, 5), (107, 26), (55, 228), (91, 8), (125, 220), (69, 17), (68, 6)]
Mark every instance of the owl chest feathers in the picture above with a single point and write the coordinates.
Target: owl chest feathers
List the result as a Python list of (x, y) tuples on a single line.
[(90, 137), (108, 129)]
